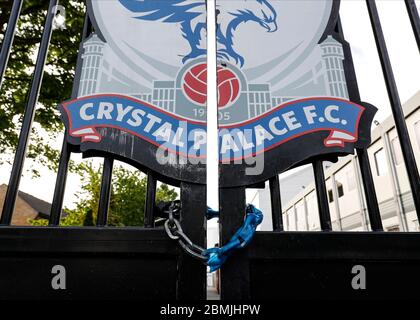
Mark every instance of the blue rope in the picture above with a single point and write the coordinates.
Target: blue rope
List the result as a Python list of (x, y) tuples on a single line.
[(211, 213), (218, 256)]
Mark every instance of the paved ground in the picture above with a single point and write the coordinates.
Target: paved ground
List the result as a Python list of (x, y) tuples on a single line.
[(212, 295)]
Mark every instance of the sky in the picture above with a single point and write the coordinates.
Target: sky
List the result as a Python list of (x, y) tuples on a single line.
[(404, 57)]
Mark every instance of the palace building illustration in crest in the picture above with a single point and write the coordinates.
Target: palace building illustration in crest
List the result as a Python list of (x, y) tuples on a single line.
[(325, 79)]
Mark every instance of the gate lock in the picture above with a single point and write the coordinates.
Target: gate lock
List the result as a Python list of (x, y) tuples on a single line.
[(214, 257)]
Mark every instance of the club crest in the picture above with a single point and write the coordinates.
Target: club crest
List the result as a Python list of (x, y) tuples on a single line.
[(281, 77)]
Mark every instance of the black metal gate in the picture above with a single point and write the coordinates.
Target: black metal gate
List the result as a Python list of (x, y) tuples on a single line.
[(142, 263)]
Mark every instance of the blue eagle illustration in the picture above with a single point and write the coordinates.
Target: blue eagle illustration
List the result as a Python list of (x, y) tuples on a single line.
[(189, 13)]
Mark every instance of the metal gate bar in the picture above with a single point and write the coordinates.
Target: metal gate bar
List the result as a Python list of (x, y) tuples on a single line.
[(63, 166), (414, 19), (60, 184), (276, 210), (16, 173), (321, 192), (362, 153), (6, 44), (400, 125), (105, 192), (370, 192), (191, 283), (365, 168), (149, 207), (234, 276)]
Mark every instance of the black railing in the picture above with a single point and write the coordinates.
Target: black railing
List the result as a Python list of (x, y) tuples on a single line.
[(413, 13), (63, 165), (105, 193), (231, 199), (6, 45), (325, 219), (20, 155), (275, 197), (397, 111)]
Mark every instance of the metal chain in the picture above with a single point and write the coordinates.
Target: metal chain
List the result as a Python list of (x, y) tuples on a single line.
[(242, 237), (214, 257), (174, 230)]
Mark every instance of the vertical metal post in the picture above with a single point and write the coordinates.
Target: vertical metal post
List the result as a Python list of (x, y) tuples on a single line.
[(149, 217), (276, 211), (365, 168), (16, 173), (413, 13), (57, 203), (370, 193), (400, 125), (321, 192), (105, 193), (6, 44), (235, 282), (63, 166), (358, 176), (191, 284)]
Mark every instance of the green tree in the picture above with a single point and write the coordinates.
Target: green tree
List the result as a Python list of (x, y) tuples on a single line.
[(57, 82), (127, 199), (129, 188)]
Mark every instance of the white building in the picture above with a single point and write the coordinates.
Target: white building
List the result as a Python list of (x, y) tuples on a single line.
[(345, 192)]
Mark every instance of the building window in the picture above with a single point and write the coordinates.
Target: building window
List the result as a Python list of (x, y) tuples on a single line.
[(330, 196), (380, 162), (417, 131), (340, 189), (396, 152)]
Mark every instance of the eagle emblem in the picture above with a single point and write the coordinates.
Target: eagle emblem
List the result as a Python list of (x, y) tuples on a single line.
[(187, 13)]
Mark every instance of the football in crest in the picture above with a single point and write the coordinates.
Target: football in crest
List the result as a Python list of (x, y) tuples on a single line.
[(195, 85)]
